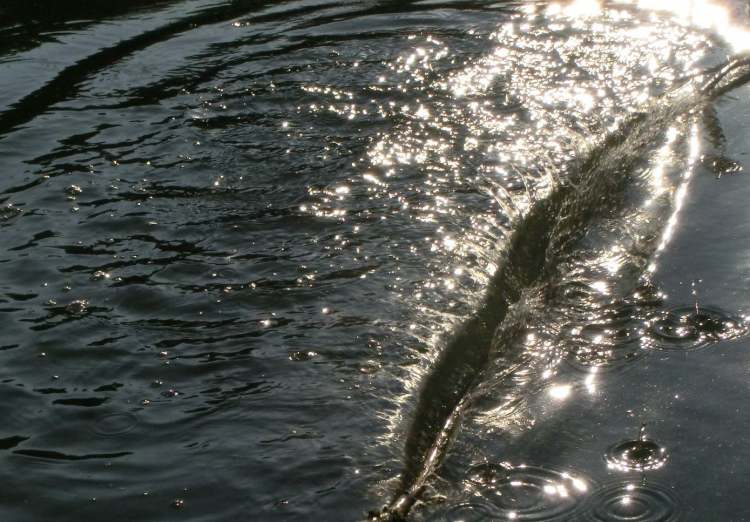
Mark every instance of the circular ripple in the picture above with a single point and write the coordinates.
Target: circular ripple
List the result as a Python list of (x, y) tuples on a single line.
[(636, 455), (605, 345), (474, 511), (633, 503), (488, 474), (528, 493), (688, 328), (604, 358), (115, 424)]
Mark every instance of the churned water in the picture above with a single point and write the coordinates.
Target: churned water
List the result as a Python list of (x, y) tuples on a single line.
[(339, 260)]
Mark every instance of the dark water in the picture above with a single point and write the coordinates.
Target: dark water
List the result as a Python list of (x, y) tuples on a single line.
[(255, 257)]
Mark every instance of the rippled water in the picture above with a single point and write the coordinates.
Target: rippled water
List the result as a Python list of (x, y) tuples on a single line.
[(291, 260)]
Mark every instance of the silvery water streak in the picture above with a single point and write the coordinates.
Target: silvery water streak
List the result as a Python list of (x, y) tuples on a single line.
[(545, 251)]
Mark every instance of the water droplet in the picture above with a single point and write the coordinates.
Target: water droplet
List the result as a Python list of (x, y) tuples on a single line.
[(72, 191), (8, 212), (99, 275), (369, 367), (302, 355), (692, 327), (77, 307), (642, 454)]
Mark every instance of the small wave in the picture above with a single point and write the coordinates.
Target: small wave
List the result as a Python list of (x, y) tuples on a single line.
[(115, 424), (692, 327), (529, 492), (636, 455), (632, 502)]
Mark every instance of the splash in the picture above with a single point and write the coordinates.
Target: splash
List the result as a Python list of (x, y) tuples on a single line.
[(542, 253)]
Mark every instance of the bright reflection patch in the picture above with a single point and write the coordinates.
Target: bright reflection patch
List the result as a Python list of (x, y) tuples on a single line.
[(576, 8), (560, 392), (463, 144), (707, 15)]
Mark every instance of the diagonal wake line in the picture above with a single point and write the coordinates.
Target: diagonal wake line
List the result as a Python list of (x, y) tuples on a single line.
[(543, 237)]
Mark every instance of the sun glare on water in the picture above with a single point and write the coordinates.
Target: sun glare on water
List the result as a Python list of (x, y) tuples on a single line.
[(707, 15)]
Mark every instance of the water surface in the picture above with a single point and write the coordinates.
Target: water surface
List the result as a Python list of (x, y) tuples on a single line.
[(238, 236)]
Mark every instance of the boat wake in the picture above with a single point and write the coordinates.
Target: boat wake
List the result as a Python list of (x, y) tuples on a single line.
[(577, 266)]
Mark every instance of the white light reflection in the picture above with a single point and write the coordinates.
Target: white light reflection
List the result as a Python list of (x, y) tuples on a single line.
[(579, 485), (505, 112), (679, 198), (560, 392), (704, 14), (601, 286), (590, 380), (576, 8)]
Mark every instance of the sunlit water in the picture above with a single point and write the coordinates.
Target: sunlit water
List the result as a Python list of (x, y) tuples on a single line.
[(238, 238)]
